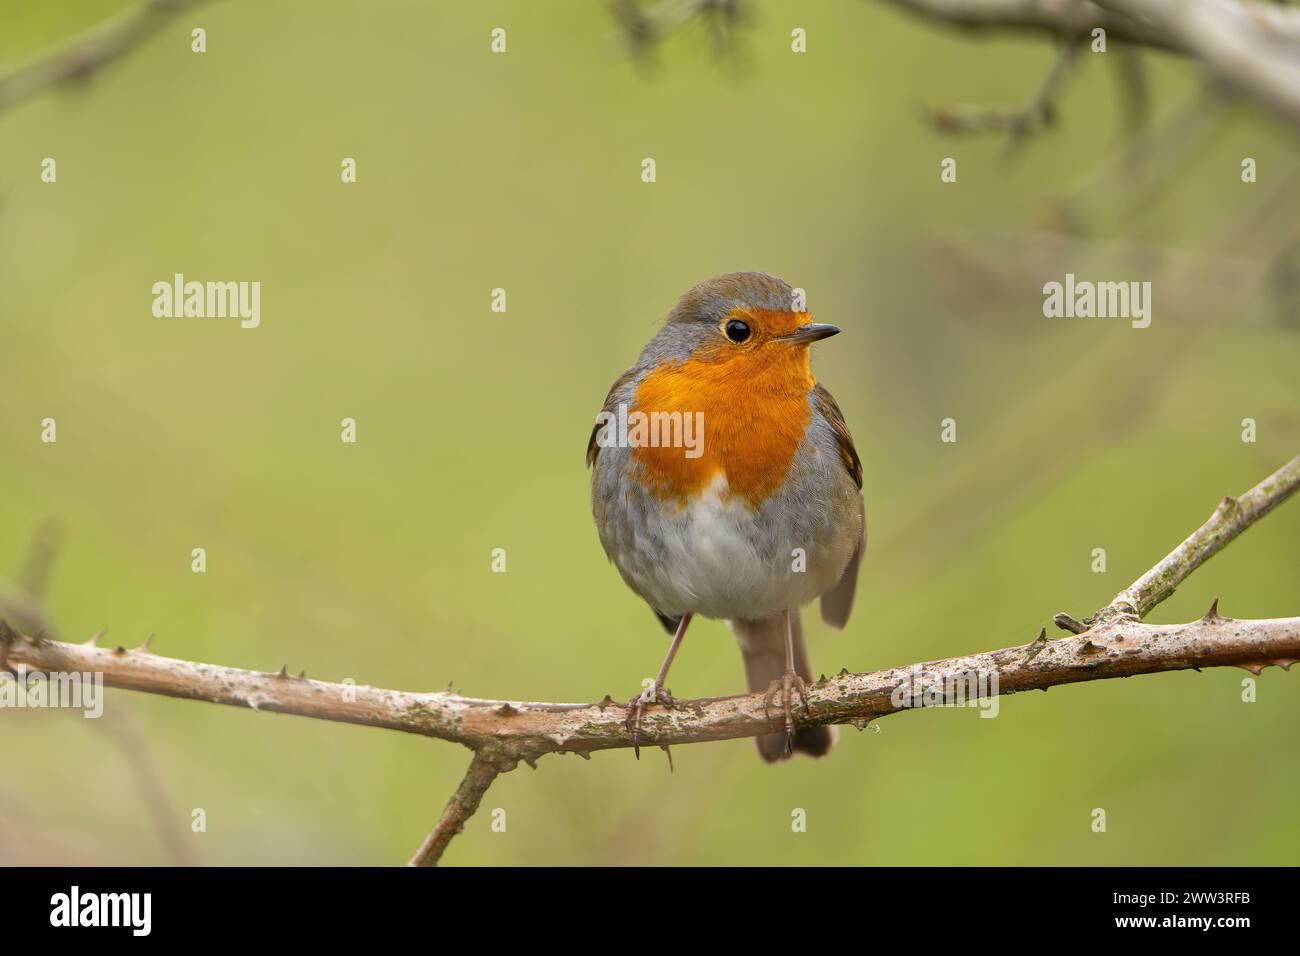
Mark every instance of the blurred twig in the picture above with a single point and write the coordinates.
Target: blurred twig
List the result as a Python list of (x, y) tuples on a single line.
[(1038, 112), (82, 56), (22, 601), (166, 820), (1146, 166), (644, 25), (34, 577), (501, 733)]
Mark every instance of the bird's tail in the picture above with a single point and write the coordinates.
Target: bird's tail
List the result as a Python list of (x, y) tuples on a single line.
[(762, 643)]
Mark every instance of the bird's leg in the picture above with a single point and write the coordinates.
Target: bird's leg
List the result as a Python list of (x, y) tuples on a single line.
[(789, 681), (656, 693)]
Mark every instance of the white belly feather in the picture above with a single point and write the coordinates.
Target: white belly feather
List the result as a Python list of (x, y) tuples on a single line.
[(715, 560)]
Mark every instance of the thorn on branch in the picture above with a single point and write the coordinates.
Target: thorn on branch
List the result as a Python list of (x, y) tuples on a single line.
[(1257, 667), (1035, 647), (1212, 616)]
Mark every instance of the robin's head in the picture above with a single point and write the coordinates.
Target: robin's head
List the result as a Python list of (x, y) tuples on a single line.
[(741, 319), (735, 351)]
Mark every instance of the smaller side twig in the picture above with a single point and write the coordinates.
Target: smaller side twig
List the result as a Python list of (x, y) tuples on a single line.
[(1231, 518), (483, 770)]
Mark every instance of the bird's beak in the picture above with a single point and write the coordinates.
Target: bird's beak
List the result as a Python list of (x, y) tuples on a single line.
[(812, 332)]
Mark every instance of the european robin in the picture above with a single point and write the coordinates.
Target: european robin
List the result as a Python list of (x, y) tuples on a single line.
[(725, 484)]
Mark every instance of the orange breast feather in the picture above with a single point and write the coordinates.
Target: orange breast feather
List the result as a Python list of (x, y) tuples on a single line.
[(755, 409)]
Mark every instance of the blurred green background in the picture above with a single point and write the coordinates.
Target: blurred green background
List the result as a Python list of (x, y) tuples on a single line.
[(522, 171)]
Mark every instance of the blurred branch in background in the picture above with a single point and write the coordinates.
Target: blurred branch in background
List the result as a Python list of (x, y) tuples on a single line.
[(1145, 165), (1252, 46), (1255, 47), (86, 54), (503, 733), (646, 24), (983, 275), (1248, 51)]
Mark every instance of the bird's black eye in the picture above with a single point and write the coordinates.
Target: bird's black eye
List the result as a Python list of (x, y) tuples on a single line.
[(737, 330)]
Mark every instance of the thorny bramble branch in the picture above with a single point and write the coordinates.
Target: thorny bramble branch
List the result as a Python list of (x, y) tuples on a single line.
[(502, 733)]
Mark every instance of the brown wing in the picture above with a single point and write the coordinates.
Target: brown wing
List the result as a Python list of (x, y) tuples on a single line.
[(592, 448), (848, 454), (838, 601)]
